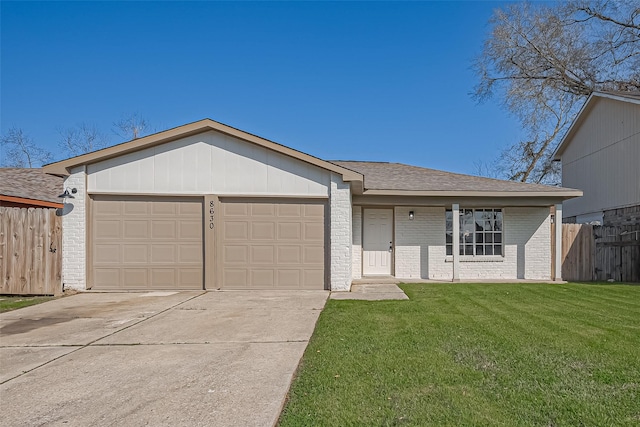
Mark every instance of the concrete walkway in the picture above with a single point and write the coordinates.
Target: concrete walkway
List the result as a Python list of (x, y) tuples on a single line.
[(185, 358), (372, 292)]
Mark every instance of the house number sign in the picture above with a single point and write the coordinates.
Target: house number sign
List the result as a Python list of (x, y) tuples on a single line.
[(211, 215)]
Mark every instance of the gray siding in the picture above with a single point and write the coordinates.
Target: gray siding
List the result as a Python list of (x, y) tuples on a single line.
[(603, 159)]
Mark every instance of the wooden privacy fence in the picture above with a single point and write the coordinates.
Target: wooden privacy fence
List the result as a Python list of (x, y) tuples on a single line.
[(600, 253), (30, 251)]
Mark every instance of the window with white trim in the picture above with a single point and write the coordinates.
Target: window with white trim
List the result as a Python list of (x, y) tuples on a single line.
[(480, 232)]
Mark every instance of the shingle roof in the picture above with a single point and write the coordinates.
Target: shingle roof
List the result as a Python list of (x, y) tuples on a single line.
[(31, 184), (398, 176)]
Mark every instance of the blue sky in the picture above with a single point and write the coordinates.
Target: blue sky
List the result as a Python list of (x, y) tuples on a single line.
[(346, 80)]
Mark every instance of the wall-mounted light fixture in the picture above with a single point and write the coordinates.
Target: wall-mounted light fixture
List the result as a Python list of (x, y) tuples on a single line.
[(411, 215), (67, 195)]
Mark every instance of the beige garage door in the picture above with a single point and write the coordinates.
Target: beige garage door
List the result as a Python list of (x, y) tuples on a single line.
[(146, 243), (271, 244)]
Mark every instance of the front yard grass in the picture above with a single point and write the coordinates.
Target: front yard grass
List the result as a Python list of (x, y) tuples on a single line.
[(12, 302), (474, 354)]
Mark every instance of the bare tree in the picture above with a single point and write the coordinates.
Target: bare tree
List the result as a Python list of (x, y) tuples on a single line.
[(81, 139), (543, 60), (132, 126), (20, 151)]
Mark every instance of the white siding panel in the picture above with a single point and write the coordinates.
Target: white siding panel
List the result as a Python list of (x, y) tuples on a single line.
[(208, 163), (602, 159)]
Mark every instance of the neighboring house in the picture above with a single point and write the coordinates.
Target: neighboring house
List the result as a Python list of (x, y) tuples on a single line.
[(600, 155), (29, 188), (208, 206)]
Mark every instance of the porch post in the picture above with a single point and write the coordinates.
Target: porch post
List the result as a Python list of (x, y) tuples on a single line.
[(455, 210), (557, 275)]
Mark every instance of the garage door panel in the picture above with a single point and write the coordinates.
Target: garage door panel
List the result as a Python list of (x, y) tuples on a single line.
[(289, 254), (289, 231), (236, 230), (105, 277), (135, 229), (262, 254), (141, 243), (163, 253), (163, 229), (164, 208), (189, 229), (108, 229), (314, 211), (107, 208), (262, 278), (190, 278), (313, 232), (189, 209), (263, 231), (289, 279), (283, 249), (235, 278), (312, 278), (135, 278), (235, 209), (163, 278), (135, 208), (189, 253), (289, 210), (264, 209), (313, 255), (135, 254), (107, 254), (236, 254)]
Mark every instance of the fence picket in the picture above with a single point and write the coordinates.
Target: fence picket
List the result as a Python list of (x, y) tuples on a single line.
[(27, 266)]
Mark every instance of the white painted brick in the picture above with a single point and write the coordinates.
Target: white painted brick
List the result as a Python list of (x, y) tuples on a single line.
[(420, 246), (340, 234), (415, 238), (74, 271)]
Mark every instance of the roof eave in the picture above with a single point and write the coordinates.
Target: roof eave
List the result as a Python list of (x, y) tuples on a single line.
[(559, 194), (28, 201)]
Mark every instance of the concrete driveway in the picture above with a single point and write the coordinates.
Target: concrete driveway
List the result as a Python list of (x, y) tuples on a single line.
[(179, 359)]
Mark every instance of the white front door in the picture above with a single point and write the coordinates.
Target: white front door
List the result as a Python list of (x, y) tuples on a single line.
[(377, 242)]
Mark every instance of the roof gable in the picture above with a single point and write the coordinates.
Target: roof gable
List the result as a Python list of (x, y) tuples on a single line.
[(630, 97), (63, 167)]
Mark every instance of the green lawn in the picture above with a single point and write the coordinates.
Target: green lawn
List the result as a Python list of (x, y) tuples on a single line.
[(475, 354), (10, 302)]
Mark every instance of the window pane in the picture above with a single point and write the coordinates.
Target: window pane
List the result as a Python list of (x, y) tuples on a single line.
[(497, 237), (449, 237), (498, 225), (480, 225), (488, 250), (488, 225), (468, 238), (449, 250), (479, 250), (479, 237), (497, 249), (488, 238), (468, 249)]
